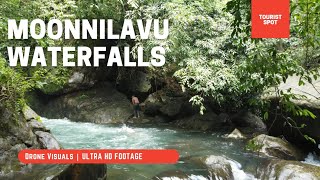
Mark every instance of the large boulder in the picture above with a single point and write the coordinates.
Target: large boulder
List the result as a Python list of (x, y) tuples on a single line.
[(293, 170), (274, 147), (246, 119), (47, 141), (311, 102), (15, 135), (29, 113), (137, 82), (37, 126), (83, 172), (221, 168), (169, 105), (60, 172), (17, 132), (207, 121), (44, 138), (99, 105)]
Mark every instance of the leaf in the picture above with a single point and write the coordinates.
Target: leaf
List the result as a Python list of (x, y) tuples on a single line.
[(301, 83), (266, 116), (310, 139)]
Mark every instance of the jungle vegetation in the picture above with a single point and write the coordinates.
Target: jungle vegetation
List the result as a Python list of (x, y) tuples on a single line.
[(209, 51)]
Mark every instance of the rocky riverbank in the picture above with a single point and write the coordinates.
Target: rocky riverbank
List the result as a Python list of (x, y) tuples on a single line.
[(104, 104), (25, 131)]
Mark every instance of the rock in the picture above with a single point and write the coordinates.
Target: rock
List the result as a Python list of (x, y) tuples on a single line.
[(29, 113), (310, 102), (160, 119), (159, 103), (293, 170), (247, 119), (37, 126), (83, 172), (208, 121), (60, 172), (225, 118), (276, 147), (17, 134), (311, 91), (172, 106), (138, 82), (79, 79), (14, 136), (152, 104), (236, 134), (101, 105), (139, 120), (220, 167), (76, 78), (47, 141)]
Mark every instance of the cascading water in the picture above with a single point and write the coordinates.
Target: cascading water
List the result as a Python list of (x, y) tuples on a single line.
[(75, 135)]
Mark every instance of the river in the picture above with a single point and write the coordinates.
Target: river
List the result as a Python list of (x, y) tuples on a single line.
[(77, 135)]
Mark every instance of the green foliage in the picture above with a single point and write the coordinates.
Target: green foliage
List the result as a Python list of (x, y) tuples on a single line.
[(198, 50), (289, 106), (16, 81), (209, 50), (270, 62), (12, 87), (253, 146), (310, 139)]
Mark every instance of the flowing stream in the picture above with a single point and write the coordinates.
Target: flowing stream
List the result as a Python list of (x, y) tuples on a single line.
[(76, 135)]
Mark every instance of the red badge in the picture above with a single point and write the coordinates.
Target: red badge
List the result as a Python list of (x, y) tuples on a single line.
[(270, 18), (99, 156)]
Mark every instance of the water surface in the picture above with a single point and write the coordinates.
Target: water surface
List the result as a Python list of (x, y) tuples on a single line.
[(77, 135)]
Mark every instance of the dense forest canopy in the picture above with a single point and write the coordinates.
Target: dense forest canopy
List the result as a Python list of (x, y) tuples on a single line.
[(209, 50)]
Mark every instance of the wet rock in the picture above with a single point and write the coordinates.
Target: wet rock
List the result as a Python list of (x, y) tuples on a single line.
[(139, 120), (160, 119), (219, 167), (276, 147), (208, 121), (101, 105), (293, 170), (236, 134), (14, 136), (60, 172), (161, 103), (29, 113), (172, 106), (47, 141), (152, 104), (83, 172), (247, 119), (37, 126)]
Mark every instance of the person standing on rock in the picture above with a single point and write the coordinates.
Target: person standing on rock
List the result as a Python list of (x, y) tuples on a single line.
[(136, 106)]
